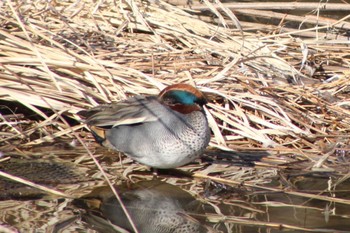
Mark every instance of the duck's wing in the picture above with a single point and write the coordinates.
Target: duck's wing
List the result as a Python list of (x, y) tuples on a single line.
[(135, 110)]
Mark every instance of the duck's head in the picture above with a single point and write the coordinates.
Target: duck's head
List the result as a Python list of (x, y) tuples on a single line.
[(182, 98)]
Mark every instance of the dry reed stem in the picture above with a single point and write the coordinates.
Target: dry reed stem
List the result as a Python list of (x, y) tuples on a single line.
[(305, 6)]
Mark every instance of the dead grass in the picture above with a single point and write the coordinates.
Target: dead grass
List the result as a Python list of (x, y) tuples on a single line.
[(269, 89)]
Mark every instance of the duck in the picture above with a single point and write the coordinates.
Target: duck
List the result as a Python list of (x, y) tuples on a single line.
[(164, 131)]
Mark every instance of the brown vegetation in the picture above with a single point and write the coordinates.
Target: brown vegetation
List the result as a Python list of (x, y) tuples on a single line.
[(277, 92)]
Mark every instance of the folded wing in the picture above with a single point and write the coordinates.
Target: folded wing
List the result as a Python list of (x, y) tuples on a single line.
[(135, 110)]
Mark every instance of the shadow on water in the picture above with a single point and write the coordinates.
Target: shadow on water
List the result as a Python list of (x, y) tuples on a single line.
[(234, 158)]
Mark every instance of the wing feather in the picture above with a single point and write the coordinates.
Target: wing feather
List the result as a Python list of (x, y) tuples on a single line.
[(135, 110)]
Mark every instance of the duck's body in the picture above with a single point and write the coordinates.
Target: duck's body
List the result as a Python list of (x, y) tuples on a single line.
[(161, 132)]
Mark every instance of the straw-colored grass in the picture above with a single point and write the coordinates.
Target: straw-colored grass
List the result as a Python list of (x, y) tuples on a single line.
[(268, 89), (74, 55)]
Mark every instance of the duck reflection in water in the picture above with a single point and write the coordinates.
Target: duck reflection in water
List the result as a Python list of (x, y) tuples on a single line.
[(154, 207)]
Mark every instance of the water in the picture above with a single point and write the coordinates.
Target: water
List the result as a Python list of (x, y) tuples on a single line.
[(157, 203)]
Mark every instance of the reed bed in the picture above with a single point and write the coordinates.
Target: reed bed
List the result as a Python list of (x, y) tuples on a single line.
[(278, 93)]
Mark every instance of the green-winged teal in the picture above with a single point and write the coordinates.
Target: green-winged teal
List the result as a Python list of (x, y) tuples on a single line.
[(164, 131)]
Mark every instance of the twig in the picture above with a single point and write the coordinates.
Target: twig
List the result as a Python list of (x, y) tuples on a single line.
[(304, 6)]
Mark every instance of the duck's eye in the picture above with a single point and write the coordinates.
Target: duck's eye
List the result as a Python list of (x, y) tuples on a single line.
[(201, 101)]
